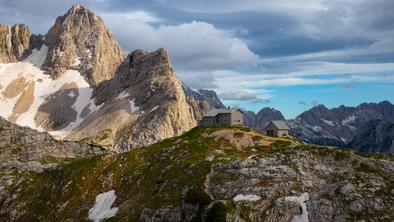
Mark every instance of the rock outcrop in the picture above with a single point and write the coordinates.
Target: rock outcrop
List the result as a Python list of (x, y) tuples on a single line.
[(21, 36), (22, 144), (80, 40), (14, 41)]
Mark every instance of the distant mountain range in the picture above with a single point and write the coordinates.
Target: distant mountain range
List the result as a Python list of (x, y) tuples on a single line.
[(367, 127)]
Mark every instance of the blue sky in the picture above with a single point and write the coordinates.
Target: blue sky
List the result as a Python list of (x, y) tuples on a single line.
[(286, 54)]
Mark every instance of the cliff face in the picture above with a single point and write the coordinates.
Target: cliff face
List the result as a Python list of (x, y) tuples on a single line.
[(14, 42), (80, 40), (146, 86)]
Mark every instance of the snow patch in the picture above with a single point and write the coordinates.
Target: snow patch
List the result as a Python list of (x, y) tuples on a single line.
[(102, 208), (348, 120), (37, 57), (71, 94), (133, 107), (301, 202), (328, 122), (123, 95), (248, 197), (154, 108)]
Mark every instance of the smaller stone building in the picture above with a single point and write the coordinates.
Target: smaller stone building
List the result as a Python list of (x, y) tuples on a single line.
[(277, 128), (217, 117)]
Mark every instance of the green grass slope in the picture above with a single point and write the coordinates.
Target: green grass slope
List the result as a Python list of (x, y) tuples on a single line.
[(194, 177)]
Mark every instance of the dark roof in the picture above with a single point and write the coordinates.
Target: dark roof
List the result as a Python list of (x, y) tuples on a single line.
[(214, 112), (280, 124)]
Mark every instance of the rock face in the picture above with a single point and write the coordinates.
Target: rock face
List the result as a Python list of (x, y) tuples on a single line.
[(338, 126), (202, 101), (260, 120), (146, 85), (80, 40), (375, 136), (21, 36), (207, 174), (14, 41)]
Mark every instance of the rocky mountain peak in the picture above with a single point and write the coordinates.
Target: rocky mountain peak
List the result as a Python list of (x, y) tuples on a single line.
[(81, 41), (262, 118)]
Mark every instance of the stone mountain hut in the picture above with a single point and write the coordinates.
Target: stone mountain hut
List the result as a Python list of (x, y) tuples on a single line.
[(217, 117), (277, 128)]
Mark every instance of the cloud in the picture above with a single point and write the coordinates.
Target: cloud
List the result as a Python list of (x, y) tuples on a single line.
[(315, 103), (242, 96), (338, 79), (303, 103), (198, 46), (198, 80)]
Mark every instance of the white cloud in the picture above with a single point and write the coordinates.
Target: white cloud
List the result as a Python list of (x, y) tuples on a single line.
[(290, 81), (142, 16), (192, 46), (198, 80), (243, 95)]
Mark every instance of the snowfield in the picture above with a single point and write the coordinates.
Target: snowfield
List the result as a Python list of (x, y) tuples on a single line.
[(44, 86), (102, 208)]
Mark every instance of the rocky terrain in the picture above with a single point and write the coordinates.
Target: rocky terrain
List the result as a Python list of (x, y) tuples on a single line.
[(25, 150), (77, 83), (208, 174)]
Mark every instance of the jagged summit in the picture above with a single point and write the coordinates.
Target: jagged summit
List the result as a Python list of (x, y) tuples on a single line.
[(80, 40)]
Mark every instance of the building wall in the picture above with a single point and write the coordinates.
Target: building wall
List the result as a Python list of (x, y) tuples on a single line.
[(224, 118), (237, 118), (270, 126), (276, 132), (208, 121), (234, 118), (282, 133)]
